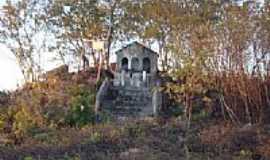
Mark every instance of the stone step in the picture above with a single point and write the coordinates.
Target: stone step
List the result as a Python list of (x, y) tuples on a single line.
[(129, 112), (125, 112), (126, 108), (133, 92), (135, 96), (131, 104), (126, 102), (135, 89), (134, 99), (119, 114)]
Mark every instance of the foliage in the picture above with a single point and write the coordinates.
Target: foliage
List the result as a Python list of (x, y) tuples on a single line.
[(24, 122), (217, 54), (41, 107), (63, 19), (81, 111), (205, 45)]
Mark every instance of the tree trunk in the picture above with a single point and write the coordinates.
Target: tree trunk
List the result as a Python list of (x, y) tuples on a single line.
[(100, 65), (110, 35)]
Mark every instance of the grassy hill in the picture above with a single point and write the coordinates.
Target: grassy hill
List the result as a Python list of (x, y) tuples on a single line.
[(54, 119)]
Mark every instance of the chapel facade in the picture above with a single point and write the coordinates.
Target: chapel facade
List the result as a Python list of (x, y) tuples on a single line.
[(132, 90)]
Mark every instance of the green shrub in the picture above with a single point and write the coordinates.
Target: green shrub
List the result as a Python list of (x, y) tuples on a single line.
[(81, 109), (173, 110)]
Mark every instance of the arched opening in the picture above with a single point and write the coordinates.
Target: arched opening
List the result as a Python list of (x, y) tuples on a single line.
[(135, 64), (124, 64), (147, 65)]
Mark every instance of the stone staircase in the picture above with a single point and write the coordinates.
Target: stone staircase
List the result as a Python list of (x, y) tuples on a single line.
[(129, 102)]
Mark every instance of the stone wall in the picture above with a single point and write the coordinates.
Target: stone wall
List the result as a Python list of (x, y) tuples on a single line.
[(136, 50)]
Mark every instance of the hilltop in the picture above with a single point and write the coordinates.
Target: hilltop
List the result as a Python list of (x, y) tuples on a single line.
[(46, 120)]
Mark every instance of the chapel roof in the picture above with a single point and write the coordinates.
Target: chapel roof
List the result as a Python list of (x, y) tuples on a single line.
[(138, 44)]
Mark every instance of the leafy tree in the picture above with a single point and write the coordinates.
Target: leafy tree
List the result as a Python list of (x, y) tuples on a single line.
[(74, 24)]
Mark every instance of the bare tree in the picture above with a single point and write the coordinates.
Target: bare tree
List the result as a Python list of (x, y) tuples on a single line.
[(21, 32)]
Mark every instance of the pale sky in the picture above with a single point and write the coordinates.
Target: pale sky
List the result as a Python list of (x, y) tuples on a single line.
[(10, 75)]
